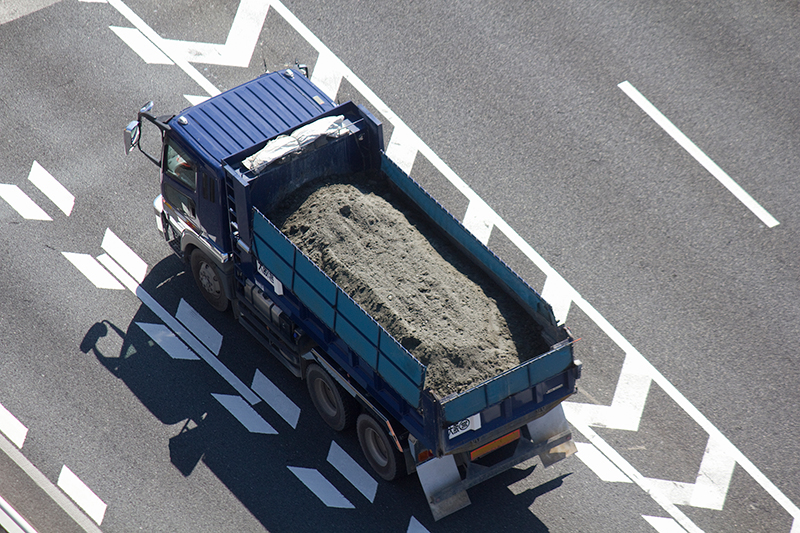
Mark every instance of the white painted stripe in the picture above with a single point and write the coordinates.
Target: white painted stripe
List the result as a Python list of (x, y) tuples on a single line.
[(22, 203), (145, 49), (415, 527), (187, 337), (479, 220), (194, 100), (12, 427), (352, 471), (558, 293), (714, 477), (327, 74), (245, 414), (93, 271), (199, 326), (51, 187), (321, 487), (82, 495), (698, 154), (599, 464), (11, 521), (168, 341), (276, 399), (664, 525), (402, 147), (47, 486), (123, 255)]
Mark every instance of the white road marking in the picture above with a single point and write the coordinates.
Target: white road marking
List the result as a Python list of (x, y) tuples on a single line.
[(698, 154), (93, 271), (168, 341), (327, 74), (82, 495), (599, 464), (415, 527), (52, 188), (22, 203), (12, 427), (558, 293), (240, 44), (145, 49), (352, 471), (664, 525), (276, 399), (14, 9), (321, 487), (402, 147), (194, 100), (199, 326), (478, 220), (11, 521), (122, 254), (245, 414)]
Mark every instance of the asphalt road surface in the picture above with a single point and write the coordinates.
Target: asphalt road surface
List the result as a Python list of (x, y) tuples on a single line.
[(633, 161)]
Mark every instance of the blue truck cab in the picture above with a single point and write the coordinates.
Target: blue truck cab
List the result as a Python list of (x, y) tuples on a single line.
[(225, 164)]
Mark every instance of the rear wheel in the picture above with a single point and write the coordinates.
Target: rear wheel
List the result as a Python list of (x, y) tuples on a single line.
[(337, 408), (208, 280), (380, 451)]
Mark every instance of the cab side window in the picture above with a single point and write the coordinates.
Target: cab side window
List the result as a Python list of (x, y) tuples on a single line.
[(178, 165)]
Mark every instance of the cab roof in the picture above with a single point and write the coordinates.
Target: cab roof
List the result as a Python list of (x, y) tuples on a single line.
[(249, 114)]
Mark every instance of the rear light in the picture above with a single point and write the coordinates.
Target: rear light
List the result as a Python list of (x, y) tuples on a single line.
[(424, 455), (495, 444)]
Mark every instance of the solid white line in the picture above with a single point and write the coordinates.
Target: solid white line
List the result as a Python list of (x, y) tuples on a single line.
[(199, 326), (698, 154), (51, 187), (12, 427), (11, 521), (123, 255), (599, 464), (93, 271), (321, 487), (140, 44), (352, 471), (82, 495), (245, 414), (276, 399), (664, 525), (168, 341), (22, 203)]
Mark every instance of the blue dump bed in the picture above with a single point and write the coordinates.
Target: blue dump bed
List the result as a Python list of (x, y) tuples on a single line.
[(349, 336)]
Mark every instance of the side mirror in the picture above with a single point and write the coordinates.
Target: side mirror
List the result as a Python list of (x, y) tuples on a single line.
[(131, 135)]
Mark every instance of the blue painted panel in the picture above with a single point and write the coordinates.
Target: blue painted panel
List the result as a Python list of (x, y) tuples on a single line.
[(316, 278), (465, 405), (273, 237), (407, 363), (399, 381), (272, 261), (548, 365), (504, 386), (356, 341), (358, 318), (314, 301)]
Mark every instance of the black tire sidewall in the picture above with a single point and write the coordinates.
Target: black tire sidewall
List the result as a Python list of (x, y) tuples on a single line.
[(392, 469), (344, 417), (218, 302)]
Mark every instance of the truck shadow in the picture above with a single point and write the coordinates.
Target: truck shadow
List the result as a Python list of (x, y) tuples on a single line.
[(254, 466)]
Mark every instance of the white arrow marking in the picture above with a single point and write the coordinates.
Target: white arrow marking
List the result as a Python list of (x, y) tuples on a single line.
[(352, 471), (245, 414), (51, 187), (168, 341), (241, 42), (199, 326), (22, 203), (12, 428), (276, 399), (321, 487), (82, 495), (93, 271)]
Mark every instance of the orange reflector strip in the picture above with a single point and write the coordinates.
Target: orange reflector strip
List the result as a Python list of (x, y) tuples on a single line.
[(495, 444)]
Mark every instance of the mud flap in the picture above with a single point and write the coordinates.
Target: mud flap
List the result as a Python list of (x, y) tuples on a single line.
[(548, 426), (437, 474)]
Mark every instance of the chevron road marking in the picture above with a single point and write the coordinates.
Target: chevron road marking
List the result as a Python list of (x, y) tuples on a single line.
[(276, 399), (415, 527), (321, 487), (52, 188), (82, 495), (352, 471), (169, 342), (638, 374), (245, 414), (12, 428), (22, 203), (664, 525)]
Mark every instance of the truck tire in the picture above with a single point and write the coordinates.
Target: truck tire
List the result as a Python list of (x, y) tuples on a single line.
[(337, 408), (208, 280), (380, 451)]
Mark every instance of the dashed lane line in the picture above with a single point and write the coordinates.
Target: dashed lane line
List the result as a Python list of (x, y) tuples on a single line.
[(22, 203), (82, 495), (321, 487), (169, 342), (276, 399), (245, 414), (352, 471), (12, 428), (52, 188)]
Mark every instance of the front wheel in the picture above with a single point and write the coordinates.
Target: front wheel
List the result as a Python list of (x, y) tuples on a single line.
[(208, 281), (380, 451)]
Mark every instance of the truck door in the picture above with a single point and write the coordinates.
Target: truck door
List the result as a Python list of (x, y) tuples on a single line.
[(179, 187)]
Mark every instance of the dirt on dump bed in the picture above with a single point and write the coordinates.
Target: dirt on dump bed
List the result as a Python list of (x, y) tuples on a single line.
[(422, 290)]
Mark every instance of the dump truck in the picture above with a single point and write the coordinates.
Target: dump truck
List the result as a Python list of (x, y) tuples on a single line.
[(228, 164)]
